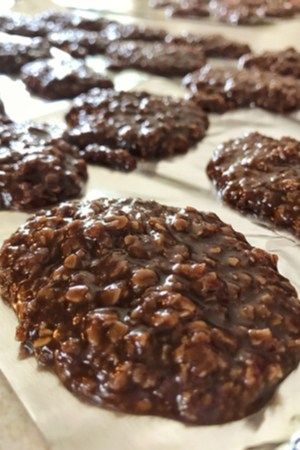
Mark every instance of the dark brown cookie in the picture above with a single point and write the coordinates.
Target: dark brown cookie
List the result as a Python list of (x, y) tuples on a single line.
[(260, 175), (150, 309), (159, 58), (62, 20), (285, 62), (114, 158), (188, 8), (119, 31), (251, 12), (37, 168), (57, 79), (78, 43), (281, 8), (23, 25), (221, 89), (148, 126), (214, 45), (17, 51)]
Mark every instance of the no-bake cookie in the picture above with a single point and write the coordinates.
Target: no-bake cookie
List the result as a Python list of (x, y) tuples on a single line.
[(159, 57), (37, 168), (214, 45), (113, 158), (15, 52), (148, 126), (251, 12), (285, 62), (78, 43), (149, 309), (61, 78), (62, 20), (23, 25), (260, 175), (188, 8), (119, 31), (220, 89)]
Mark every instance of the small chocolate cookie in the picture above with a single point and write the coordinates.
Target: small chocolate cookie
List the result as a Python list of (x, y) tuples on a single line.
[(79, 43), (114, 158), (15, 52), (251, 12), (219, 89), (24, 25), (281, 8), (159, 58), (115, 31), (240, 12), (60, 21), (37, 168), (260, 175), (150, 309), (188, 8), (57, 79), (285, 62), (214, 45), (146, 125)]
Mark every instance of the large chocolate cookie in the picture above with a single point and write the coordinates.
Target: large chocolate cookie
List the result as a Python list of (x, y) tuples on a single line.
[(260, 175), (221, 89), (37, 168), (155, 57), (150, 309), (285, 62), (148, 126), (78, 43), (17, 51), (214, 45), (57, 79)]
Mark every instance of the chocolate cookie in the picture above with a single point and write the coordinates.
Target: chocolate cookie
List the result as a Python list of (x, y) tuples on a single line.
[(221, 89), (214, 45), (78, 43), (57, 79), (23, 25), (114, 158), (260, 175), (148, 126), (188, 8), (149, 309), (285, 62), (251, 12), (17, 51), (119, 31), (36, 167), (62, 20), (159, 58)]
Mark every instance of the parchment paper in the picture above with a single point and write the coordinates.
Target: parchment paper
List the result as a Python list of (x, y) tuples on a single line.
[(67, 423)]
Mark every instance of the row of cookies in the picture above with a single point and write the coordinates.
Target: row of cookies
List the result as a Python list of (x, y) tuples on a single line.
[(136, 306), (240, 12)]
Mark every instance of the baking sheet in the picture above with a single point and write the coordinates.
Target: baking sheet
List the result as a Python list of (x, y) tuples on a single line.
[(65, 422)]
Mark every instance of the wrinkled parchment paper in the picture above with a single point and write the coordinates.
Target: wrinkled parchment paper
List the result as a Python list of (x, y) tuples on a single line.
[(67, 423)]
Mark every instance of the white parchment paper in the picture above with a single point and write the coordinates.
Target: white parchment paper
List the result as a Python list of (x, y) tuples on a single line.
[(67, 423)]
